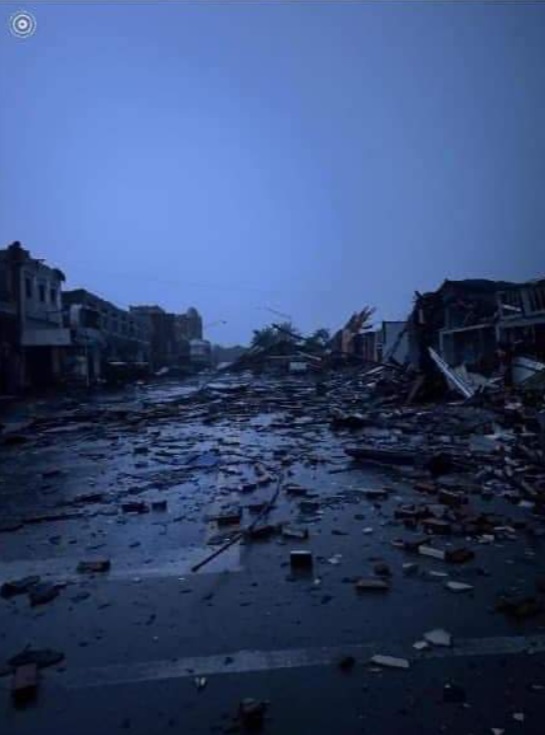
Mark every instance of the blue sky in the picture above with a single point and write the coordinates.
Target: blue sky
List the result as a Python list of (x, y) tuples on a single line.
[(305, 157)]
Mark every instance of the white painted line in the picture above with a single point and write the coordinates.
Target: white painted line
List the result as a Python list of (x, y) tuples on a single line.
[(243, 662), (170, 564)]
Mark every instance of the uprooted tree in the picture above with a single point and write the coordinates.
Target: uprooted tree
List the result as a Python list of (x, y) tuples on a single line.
[(359, 322), (318, 341), (274, 334)]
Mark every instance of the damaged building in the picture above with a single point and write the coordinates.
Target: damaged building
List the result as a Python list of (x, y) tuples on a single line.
[(102, 334), (481, 324), (31, 326)]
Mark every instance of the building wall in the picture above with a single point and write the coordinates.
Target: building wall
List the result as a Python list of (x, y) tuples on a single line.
[(163, 334), (170, 334), (365, 346), (391, 333), (118, 334), (30, 292), (200, 351), (190, 325), (40, 296), (473, 347)]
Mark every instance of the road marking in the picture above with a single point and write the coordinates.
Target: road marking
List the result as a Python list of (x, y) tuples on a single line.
[(243, 662), (127, 568)]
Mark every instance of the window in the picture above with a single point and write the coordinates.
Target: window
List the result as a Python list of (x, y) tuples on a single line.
[(53, 295), (41, 292), (511, 303), (28, 287)]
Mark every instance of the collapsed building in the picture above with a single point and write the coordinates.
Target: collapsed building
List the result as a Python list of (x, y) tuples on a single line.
[(489, 327)]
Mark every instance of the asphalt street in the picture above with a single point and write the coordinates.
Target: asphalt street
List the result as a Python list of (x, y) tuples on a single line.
[(151, 646)]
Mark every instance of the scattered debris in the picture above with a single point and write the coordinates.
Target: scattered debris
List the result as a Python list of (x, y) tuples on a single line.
[(251, 713), (421, 645), (301, 559), (135, 506), (424, 550), (41, 657), (347, 663), (458, 586), (300, 534), (92, 567), (25, 684), (380, 456), (438, 637), (375, 493), (390, 662), (159, 505), (459, 556), (18, 586), (262, 533), (227, 517), (40, 594), (372, 585)]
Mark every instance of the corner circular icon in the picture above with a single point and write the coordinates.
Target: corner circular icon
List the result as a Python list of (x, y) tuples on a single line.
[(22, 24)]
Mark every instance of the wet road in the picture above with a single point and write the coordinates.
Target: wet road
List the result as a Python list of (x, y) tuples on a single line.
[(136, 637)]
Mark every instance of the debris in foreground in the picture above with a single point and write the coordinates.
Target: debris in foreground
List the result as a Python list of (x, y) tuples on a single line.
[(438, 637), (42, 657), (425, 550), (372, 585), (381, 569), (347, 663), (200, 682), (458, 586), (25, 684), (421, 645), (90, 567), (18, 586), (135, 506), (159, 505), (41, 594), (300, 534), (390, 662), (301, 559), (251, 713)]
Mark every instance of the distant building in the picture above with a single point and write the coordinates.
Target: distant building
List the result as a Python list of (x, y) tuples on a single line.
[(32, 336), (171, 335), (102, 333), (190, 324), (200, 353), (226, 355), (165, 343)]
